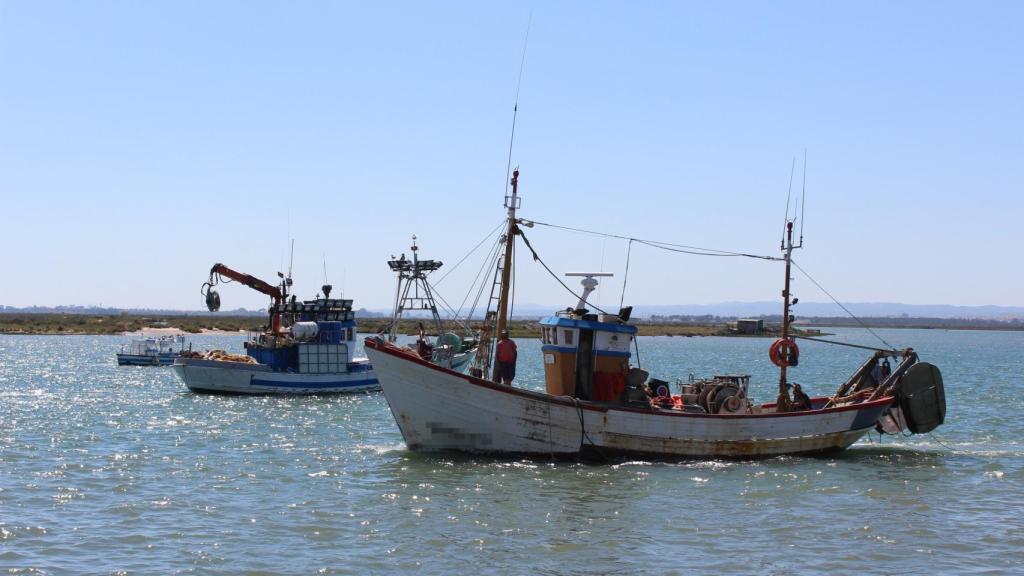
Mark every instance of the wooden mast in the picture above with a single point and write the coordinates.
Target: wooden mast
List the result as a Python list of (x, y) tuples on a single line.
[(782, 404), (511, 202)]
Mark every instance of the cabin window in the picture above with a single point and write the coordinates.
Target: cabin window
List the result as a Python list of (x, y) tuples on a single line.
[(350, 334), (568, 337), (554, 336), (545, 335)]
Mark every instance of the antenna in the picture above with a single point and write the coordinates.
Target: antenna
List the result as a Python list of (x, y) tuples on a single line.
[(325, 267), (515, 109), (789, 192), (803, 199), (291, 259)]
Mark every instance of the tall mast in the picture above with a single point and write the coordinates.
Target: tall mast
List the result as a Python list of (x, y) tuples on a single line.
[(511, 203), (783, 401)]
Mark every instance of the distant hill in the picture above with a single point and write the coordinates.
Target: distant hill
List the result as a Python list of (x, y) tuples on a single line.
[(808, 310), (106, 311), (804, 310)]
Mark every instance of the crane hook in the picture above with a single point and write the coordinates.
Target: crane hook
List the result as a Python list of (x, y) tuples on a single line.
[(212, 297)]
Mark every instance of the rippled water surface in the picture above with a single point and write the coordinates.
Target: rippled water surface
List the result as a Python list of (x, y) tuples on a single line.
[(117, 469)]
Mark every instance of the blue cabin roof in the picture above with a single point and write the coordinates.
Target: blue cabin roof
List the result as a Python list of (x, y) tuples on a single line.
[(563, 322)]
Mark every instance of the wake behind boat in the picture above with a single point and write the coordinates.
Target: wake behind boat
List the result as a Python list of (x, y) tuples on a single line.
[(308, 349), (595, 402)]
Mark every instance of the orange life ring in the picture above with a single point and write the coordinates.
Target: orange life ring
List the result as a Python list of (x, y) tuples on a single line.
[(782, 350)]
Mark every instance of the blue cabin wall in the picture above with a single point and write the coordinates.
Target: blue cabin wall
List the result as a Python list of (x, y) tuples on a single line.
[(279, 359)]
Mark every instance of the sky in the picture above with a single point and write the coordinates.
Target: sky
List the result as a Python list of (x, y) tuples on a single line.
[(142, 142)]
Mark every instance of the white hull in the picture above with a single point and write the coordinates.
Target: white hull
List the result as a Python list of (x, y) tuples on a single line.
[(240, 378), (440, 409), (145, 359)]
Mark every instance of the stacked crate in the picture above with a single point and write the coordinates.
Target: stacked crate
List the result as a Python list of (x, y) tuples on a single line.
[(323, 358)]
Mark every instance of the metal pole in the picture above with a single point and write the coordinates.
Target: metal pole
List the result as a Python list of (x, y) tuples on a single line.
[(506, 270), (782, 404)]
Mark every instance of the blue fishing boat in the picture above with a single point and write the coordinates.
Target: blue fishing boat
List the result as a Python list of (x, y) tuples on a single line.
[(309, 347)]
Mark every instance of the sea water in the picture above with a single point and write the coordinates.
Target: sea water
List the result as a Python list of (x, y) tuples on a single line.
[(107, 469)]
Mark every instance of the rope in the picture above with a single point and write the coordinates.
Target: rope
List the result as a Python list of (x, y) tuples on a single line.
[(583, 431), (512, 297), (682, 248), (838, 303), (941, 443), (555, 276)]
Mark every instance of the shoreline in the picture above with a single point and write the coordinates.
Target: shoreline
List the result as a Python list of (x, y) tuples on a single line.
[(140, 325)]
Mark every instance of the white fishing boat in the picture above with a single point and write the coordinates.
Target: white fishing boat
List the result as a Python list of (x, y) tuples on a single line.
[(595, 402), (416, 294), (308, 349), (151, 351)]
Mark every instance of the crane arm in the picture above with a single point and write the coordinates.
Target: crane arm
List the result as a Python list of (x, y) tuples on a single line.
[(213, 299), (250, 281)]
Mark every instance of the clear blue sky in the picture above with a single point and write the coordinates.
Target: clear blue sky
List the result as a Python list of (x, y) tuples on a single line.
[(141, 142)]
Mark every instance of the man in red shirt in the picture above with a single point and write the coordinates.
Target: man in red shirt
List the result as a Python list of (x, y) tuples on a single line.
[(506, 357)]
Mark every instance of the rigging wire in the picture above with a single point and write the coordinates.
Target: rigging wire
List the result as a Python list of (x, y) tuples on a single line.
[(629, 250), (491, 265), (695, 250), (487, 264), (489, 234), (555, 276), (837, 343), (448, 308), (840, 304)]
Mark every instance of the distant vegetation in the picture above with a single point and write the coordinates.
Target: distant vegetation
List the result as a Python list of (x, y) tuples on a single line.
[(903, 321), (65, 323), (42, 323)]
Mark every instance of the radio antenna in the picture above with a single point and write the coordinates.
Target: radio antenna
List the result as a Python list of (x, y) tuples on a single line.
[(789, 193), (291, 259), (515, 108), (803, 199)]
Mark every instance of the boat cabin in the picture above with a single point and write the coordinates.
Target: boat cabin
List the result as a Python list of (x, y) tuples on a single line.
[(320, 339), (586, 355)]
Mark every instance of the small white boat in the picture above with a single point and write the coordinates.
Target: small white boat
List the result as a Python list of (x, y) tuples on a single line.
[(309, 348), (151, 351), (594, 402)]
